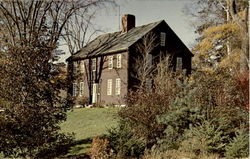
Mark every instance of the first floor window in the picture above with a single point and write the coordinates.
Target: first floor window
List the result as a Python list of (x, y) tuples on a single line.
[(74, 89), (81, 88), (179, 63), (118, 86), (109, 87)]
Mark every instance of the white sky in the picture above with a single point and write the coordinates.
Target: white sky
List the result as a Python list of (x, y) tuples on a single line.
[(147, 11)]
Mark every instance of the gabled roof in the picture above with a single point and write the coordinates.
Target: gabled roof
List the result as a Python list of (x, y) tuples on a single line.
[(113, 42)]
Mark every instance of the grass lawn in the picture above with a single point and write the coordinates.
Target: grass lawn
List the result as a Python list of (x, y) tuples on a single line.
[(87, 123)]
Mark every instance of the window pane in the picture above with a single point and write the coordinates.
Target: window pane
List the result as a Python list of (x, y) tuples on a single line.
[(118, 86), (163, 38)]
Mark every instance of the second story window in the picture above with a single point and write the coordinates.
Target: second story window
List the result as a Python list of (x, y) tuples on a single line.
[(93, 64), (74, 67), (110, 62), (82, 67), (163, 39), (149, 59), (119, 60), (109, 87), (178, 63), (74, 89)]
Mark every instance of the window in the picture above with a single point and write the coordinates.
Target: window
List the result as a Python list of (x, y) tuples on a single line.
[(178, 63), (149, 58), (110, 62), (93, 64), (118, 86), (74, 67), (95, 92), (163, 38), (109, 87), (74, 89), (81, 88), (82, 67), (119, 60)]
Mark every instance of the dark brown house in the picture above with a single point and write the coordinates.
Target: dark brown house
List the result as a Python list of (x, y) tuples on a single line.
[(102, 71)]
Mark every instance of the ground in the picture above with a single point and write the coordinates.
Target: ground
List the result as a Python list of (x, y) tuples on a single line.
[(87, 123)]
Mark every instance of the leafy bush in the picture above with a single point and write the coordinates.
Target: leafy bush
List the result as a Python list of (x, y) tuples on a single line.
[(99, 149), (124, 142)]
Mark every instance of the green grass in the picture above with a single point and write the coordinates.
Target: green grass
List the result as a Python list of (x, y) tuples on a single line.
[(87, 123)]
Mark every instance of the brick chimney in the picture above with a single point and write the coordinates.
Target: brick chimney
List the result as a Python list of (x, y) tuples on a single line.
[(128, 22)]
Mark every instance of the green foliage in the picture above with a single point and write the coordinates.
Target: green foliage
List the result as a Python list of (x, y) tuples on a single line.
[(205, 138), (239, 145), (124, 142), (32, 107), (181, 115)]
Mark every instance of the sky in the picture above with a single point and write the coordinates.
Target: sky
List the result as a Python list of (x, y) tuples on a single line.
[(146, 11)]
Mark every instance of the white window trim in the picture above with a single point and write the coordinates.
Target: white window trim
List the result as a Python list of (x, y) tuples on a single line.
[(110, 62), (74, 89), (109, 87), (119, 60), (118, 86), (179, 63), (163, 38), (81, 91)]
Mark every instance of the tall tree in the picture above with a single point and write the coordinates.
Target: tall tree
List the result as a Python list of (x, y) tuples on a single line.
[(220, 35), (30, 80)]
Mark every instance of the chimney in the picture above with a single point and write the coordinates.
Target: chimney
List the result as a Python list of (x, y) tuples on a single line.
[(128, 22)]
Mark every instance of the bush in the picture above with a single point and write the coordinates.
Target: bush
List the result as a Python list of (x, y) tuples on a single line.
[(206, 138), (124, 142), (99, 149), (182, 114), (239, 145), (197, 114)]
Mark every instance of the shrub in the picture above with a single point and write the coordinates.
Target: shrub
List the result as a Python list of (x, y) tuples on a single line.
[(206, 138), (141, 116), (99, 149), (239, 145), (124, 142)]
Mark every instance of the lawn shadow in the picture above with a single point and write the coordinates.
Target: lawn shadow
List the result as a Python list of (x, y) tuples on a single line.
[(78, 149)]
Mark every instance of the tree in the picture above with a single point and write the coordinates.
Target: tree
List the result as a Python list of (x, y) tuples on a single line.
[(30, 78), (144, 61), (220, 32)]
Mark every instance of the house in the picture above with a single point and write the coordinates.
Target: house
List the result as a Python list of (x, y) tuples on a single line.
[(102, 71)]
